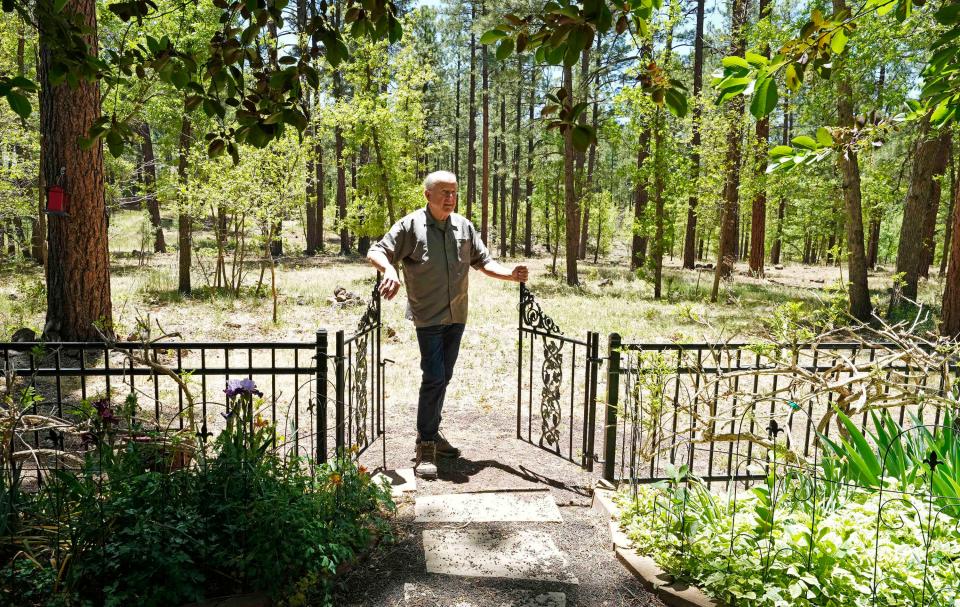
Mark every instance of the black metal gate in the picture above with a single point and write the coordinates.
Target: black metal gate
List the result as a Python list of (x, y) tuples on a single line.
[(556, 412), (360, 416)]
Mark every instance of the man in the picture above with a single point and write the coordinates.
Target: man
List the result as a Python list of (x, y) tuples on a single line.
[(437, 247)]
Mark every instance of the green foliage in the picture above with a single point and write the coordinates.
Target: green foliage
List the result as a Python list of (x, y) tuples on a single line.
[(244, 519)]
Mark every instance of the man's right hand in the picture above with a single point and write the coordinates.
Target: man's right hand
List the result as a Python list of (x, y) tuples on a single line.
[(390, 285)]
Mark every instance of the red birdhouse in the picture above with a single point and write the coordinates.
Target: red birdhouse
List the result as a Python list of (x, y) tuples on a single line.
[(58, 201)]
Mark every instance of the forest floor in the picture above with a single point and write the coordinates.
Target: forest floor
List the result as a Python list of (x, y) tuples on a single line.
[(480, 413)]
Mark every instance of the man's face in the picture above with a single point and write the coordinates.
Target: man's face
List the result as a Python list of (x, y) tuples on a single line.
[(442, 199)]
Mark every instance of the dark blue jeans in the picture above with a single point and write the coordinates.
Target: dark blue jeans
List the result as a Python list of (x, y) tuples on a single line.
[(439, 347)]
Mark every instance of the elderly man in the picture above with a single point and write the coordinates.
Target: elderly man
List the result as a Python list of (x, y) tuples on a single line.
[(437, 247)]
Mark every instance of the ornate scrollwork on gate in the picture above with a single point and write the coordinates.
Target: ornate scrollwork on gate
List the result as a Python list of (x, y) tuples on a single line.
[(533, 316), (552, 374), (360, 392), (368, 322)]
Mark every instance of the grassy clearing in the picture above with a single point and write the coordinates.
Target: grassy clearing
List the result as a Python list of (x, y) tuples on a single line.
[(611, 297)]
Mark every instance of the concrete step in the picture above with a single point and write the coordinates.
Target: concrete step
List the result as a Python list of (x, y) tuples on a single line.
[(490, 552), (421, 595)]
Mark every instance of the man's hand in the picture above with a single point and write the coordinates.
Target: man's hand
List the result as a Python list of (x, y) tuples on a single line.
[(520, 273), (390, 285)]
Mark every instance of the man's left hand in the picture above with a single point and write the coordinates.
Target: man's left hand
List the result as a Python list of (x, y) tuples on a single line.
[(520, 273)]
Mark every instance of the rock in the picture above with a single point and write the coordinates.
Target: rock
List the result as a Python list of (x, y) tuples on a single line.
[(606, 282), (343, 298), (24, 334), (778, 267), (703, 266), (232, 325)]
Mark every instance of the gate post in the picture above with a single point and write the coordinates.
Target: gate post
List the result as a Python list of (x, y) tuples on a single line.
[(613, 396), (321, 455), (593, 364), (341, 395)]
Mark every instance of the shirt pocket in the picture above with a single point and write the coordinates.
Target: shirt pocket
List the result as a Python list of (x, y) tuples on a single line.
[(463, 248), (419, 252)]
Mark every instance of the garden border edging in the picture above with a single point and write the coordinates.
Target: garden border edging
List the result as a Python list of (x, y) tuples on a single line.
[(655, 579)]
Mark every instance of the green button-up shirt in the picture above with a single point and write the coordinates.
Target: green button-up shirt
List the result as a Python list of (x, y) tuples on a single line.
[(436, 258)]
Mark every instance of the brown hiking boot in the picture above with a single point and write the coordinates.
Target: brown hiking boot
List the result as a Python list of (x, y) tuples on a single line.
[(426, 463), (444, 448)]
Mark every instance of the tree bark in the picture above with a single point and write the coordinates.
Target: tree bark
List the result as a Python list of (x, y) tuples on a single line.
[(78, 267), (638, 244), (929, 161), (184, 228), (849, 166), (503, 176), (758, 224), (485, 143), (515, 183), (571, 208), (591, 156), (321, 193), (951, 294), (149, 176), (472, 119), (727, 249), (528, 217), (690, 237), (659, 184), (948, 232)]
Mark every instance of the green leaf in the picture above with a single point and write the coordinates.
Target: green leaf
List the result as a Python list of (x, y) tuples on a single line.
[(582, 137), (19, 104), (735, 62), (764, 98), (948, 13), (676, 102), (114, 143), (216, 148), (505, 49), (838, 42), (756, 60), (780, 151), (58, 5), (824, 138), (805, 141), (492, 36), (793, 77)]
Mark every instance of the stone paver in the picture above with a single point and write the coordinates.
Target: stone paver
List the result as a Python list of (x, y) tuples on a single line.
[(486, 552), (535, 506), (402, 480)]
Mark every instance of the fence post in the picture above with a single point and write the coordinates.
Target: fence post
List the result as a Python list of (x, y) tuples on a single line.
[(321, 455), (613, 396), (523, 287), (341, 446), (593, 362)]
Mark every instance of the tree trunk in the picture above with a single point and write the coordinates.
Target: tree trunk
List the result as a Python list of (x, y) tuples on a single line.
[(930, 230), (591, 157), (929, 161), (849, 166), (149, 174), (485, 143), (184, 231), (456, 122), (727, 250), (515, 183), (758, 214), (571, 208), (472, 119), (528, 218), (78, 267), (873, 238), (951, 294), (948, 232), (658, 187), (690, 237), (638, 244)]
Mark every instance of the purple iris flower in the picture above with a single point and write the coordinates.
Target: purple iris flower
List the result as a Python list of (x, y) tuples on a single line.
[(106, 412), (238, 387)]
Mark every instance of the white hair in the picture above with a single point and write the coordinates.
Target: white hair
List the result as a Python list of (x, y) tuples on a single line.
[(438, 177)]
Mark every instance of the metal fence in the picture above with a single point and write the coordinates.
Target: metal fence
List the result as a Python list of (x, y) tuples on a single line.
[(698, 401), (317, 409)]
